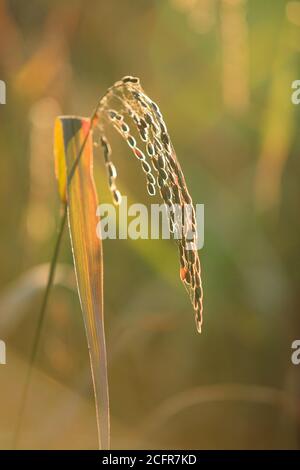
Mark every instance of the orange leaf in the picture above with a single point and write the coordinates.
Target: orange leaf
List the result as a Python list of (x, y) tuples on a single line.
[(72, 139)]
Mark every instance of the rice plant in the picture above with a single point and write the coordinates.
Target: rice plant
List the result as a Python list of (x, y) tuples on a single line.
[(126, 107), (155, 152)]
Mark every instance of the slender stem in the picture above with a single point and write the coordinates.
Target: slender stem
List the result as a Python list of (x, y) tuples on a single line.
[(39, 326), (42, 311)]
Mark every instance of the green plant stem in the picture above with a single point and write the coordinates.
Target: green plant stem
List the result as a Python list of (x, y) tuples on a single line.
[(40, 324)]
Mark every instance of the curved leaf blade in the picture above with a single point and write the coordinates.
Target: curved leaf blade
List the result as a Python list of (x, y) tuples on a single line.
[(72, 137)]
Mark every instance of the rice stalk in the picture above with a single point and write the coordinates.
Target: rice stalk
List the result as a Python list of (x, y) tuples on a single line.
[(126, 106)]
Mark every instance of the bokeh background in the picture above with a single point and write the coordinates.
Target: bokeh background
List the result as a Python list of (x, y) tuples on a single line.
[(221, 71)]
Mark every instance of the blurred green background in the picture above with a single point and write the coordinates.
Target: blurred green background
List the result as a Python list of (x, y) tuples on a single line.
[(221, 72)]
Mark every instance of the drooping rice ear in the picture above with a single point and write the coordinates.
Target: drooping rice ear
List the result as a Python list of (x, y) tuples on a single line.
[(73, 138), (152, 146)]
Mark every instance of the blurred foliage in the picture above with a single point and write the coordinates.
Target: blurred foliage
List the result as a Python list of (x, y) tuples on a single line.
[(221, 72)]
